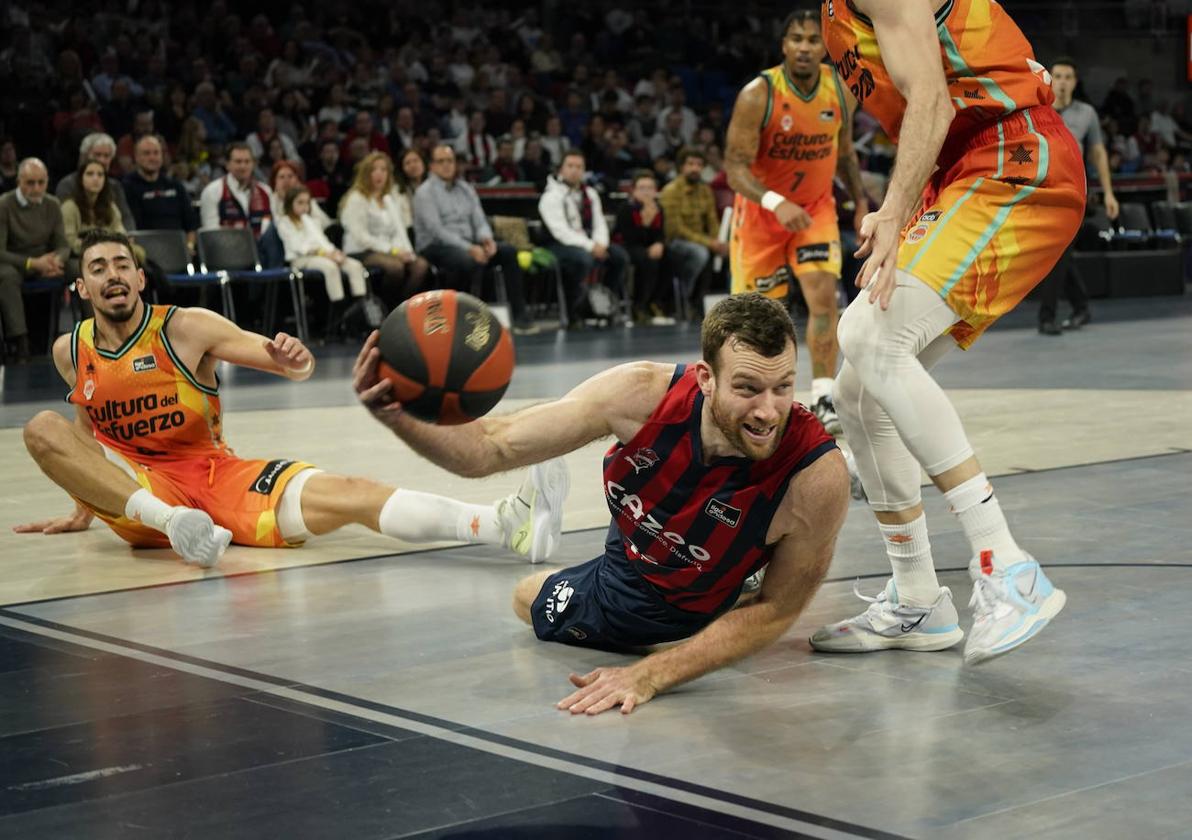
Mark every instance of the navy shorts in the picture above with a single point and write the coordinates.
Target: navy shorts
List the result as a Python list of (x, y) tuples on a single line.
[(605, 603)]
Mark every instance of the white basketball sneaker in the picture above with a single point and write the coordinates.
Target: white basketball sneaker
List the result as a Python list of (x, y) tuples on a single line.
[(532, 518), (195, 536), (1010, 606), (824, 409), (887, 624)]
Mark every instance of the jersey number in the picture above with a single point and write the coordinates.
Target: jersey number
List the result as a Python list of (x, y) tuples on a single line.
[(798, 180)]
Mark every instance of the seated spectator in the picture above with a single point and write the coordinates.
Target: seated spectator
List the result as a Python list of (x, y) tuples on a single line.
[(266, 133), (120, 112), (642, 124), (668, 139), (192, 153), (8, 165), (677, 103), (210, 111), (497, 117), (310, 150), (238, 199), (142, 126), (531, 112), (535, 165), (664, 169), (285, 176), (307, 246), (375, 230), (275, 153), (363, 128), (453, 233), (476, 147), (411, 172), (336, 109), (169, 119), (574, 116), (640, 230), (555, 142), (32, 245), (504, 169), (402, 136), (517, 133), (574, 217), (89, 208), (101, 147), (157, 201), (692, 226)]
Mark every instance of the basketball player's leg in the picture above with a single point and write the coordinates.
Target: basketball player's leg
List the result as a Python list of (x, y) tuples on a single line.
[(525, 593), (109, 486), (814, 255)]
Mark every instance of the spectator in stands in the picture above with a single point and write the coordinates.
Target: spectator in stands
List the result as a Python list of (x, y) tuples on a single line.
[(285, 176), (410, 173), (535, 166), (664, 169), (120, 111), (592, 144), (529, 110), (504, 169), (1081, 119), (157, 201), (668, 139), (555, 142), (210, 111), (364, 128), (192, 152), (692, 226), (642, 124), (104, 82), (238, 199), (32, 245), (310, 150), (1167, 129), (476, 147), (517, 134), (307, 246), (402, 136), (497, 117), (677, 103), (574, 217), (142, 126), (330, 177), (574, 116), (336, 108), (100, 147), (1119, 105), (375, 230), (275, 153), (288, 70), (640, 231), (8, 165), (266, 133), (169, 119), (453, 233), (611, 84), (91, 206)]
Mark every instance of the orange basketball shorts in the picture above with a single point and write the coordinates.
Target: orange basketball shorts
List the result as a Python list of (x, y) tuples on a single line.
[(997, 215), (763, 255), (241, 495)]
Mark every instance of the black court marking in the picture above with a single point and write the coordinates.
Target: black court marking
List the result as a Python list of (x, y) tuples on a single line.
[(1020, 472), (713, 794)]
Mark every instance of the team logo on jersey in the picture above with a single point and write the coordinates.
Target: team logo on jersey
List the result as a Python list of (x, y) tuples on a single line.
[(786, 122), (268, 477), (916, 233), (819, 252), (88, 389), (642, 459), (723, 512), (828, 114), (144, 363)]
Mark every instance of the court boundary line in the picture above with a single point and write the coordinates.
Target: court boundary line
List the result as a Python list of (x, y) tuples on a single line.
[(431, 726), (1017, 473)]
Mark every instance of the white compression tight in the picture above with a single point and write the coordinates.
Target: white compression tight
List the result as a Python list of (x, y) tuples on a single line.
[(895, 416)]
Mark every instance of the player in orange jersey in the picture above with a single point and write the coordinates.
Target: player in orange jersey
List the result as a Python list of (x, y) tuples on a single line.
[(790, 133), (146, 452), (987, 191)]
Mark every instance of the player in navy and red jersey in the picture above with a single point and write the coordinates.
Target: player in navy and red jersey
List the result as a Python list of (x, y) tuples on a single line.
[(716, 473)]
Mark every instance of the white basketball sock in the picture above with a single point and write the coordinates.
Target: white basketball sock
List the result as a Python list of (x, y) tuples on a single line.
[(142, 506), (909, 550), (977, 508), (424, 517)]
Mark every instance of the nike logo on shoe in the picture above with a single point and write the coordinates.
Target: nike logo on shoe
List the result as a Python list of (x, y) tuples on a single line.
[(906, 628)]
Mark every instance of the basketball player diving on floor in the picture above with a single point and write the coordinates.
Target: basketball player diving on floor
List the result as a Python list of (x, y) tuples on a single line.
[(714, 472), (146, 453)]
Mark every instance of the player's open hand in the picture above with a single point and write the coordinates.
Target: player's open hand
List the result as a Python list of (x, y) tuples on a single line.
[(290, 354), (879, 236), (792, 216), (80, 520), (600, 690), (373, 390)]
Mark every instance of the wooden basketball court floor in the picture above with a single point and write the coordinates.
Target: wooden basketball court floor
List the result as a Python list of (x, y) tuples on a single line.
[(360, 688)]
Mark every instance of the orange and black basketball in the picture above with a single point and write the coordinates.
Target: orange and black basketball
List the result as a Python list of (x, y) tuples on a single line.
[(447, 355)]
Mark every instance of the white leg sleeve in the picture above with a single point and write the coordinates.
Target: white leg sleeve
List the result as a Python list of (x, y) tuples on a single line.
[(289, 510), (894, 414)]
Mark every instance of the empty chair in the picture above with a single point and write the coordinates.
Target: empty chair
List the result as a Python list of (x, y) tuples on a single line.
[(167, 249), (233, 252)]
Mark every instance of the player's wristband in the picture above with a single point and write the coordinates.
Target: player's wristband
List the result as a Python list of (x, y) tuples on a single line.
[(310, 363), (771, 200)]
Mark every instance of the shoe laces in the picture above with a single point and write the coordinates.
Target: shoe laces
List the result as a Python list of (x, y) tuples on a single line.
[(877, 604), (987, 594)]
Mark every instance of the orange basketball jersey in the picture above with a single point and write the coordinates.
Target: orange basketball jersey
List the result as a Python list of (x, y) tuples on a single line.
[(796, 157), (142, 400), (989, 64)]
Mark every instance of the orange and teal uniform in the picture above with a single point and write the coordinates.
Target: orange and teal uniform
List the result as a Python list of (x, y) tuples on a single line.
[(796, 158), (163, 427), (1008, 193)]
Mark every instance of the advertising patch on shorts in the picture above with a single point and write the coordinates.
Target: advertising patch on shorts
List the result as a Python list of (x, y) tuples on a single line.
[(265, 480), (819, 252)]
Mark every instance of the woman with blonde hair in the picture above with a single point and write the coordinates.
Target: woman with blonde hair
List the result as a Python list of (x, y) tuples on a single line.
[(308, 247), (375, 230)]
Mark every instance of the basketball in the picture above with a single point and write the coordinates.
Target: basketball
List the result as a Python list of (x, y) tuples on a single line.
[(447, 355)]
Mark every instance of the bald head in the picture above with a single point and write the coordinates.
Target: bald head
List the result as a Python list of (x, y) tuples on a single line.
[(32, 179)]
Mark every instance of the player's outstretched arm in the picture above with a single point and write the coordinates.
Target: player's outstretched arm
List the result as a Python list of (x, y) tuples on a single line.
[(909, 45), (818, 498), (207, 333), (615, 402)]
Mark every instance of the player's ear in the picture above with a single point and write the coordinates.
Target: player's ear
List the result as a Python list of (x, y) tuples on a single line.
[(81, 287), (705, 377)]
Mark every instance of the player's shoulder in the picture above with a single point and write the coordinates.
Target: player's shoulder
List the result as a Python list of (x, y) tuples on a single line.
[(819, 492)]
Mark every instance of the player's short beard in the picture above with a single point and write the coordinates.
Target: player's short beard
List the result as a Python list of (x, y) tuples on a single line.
[(736, 438)]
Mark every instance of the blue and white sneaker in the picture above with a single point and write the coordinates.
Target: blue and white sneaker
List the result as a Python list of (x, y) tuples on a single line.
[(1010, 606), (887, 625)]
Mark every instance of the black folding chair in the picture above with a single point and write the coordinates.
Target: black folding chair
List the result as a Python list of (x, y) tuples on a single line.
[(233, 253)]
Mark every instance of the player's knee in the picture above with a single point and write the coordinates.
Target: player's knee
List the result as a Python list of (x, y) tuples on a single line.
[(852, 329), (45, 433), (525, 592), (846, 389)]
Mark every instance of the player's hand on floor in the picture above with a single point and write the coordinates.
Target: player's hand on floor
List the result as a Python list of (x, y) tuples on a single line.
[(289, 353), (80, 520), (600, 690), (373, 390), (878, 237)]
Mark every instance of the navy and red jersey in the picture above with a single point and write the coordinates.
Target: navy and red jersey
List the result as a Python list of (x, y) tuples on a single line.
[(696, 530)]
